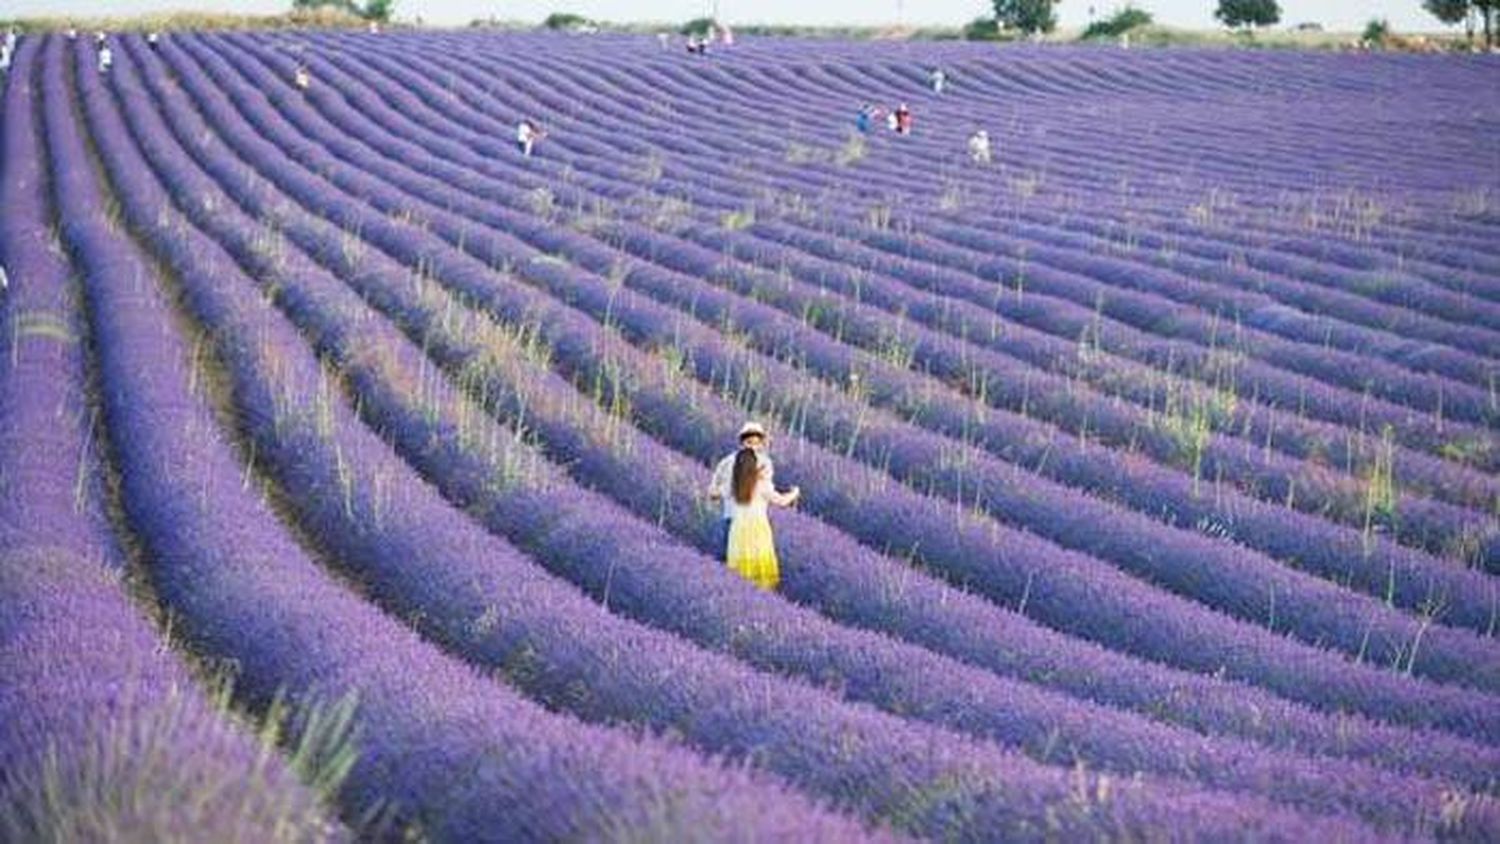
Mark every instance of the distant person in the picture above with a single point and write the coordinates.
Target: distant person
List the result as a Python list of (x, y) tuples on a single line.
[(301, 78), (664, 39), (939, 80), (865, 120), (903, 119), (979, 147), (751, 550), (106, 59), (153, 39), (72, 33), (4, 279), (726, 36), (4, 58), (721, 488), (99, 38), (527, 134)]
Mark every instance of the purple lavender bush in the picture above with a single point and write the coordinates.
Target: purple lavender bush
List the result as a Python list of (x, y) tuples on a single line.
[(1150, 485)]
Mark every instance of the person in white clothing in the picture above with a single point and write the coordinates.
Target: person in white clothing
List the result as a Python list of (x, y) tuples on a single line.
[(301, 78), (939, 80), (527, 134), (106, 58), (752, 435), (979, 147)]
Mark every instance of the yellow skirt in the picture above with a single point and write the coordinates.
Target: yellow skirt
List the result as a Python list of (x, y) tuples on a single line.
[(752, 551)]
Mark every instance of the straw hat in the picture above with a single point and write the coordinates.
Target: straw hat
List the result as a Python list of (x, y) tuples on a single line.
[(752, 429)]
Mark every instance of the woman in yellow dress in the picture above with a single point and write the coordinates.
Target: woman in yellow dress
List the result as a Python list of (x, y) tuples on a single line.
[(752, 549)]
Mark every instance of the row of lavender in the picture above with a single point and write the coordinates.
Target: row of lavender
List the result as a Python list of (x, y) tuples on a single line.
[(410, 535), (420, 258), (704, 351), (462, 231), (104, 735), (903, 157), (363, 511), (1247, 461), (1186, 81), (399, 401), (1017, 439), (813, 93), (439, 748), (1244, 462), (321, 242)]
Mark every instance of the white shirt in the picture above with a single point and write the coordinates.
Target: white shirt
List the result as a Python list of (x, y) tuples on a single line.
[(979, 147), (723, 483), (524, 133)]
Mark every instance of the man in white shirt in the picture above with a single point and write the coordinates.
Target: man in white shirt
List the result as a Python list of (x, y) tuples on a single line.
[(979, 147), (752, 435), (527, 134)]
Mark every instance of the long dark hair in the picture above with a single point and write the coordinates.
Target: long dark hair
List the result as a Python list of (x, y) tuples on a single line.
[(746, 474)]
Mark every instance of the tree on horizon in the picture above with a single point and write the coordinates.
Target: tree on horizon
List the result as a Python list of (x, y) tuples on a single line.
[(1464, 11), (373, 10), (1238, 14), (1029, 16)]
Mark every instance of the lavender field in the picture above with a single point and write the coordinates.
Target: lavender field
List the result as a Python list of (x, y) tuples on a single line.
[(352, 464)]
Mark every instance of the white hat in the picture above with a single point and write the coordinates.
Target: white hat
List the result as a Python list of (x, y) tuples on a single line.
[(752, 429)]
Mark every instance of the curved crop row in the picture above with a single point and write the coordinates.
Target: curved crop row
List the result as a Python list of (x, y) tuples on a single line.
[(593, 153), (107, 737), (439, 747), (1452, 708), (1459, 399), (1080, 136), (1409, 580), (1431, 311), (867, 592), (1311, 609), (408, 526), (1418, 259), (1142, 387)]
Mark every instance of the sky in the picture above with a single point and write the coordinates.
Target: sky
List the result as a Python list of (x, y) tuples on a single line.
[(1404, 15)]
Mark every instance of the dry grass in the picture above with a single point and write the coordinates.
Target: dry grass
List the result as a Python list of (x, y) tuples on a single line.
[(178, 20), (1278, 39)]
